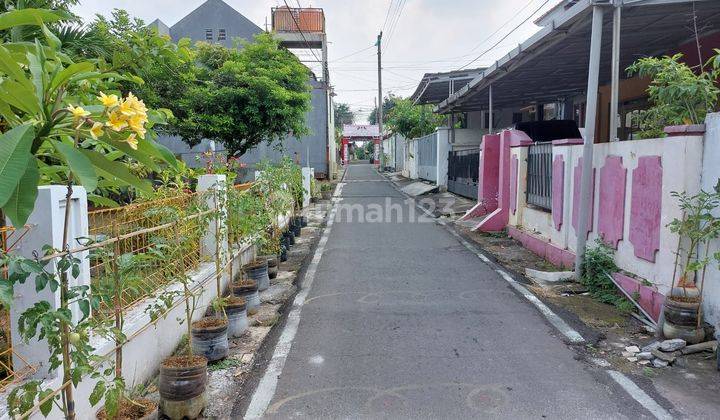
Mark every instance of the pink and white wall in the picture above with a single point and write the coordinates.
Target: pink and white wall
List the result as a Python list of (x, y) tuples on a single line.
[(632, 203)]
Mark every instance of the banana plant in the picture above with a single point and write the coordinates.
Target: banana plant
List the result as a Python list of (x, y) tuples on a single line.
[(60, 117)]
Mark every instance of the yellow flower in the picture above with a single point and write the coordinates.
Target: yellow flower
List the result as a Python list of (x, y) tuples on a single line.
[(126, 108), (96, 130), (78, 112), (117, 121), (132, 141), (108, 101), (137, 124)]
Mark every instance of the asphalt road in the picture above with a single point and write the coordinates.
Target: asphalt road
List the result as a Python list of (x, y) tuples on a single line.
[(402, 321)]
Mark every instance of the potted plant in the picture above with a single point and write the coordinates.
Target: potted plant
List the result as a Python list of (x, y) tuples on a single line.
[(248, 290), (183, 378), (257, 270), (270, 251), (326, 190), (123, 270), (697, 227), (235, 310), (680, 97)]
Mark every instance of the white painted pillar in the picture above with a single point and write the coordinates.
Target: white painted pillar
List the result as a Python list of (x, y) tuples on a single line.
[(307, 175), (590, 123), (45, 227), (442, 136), (215, 187), (490, 110), (615, 70)]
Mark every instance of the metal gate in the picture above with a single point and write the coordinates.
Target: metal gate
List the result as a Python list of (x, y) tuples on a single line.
[(427, 157), (463, 170), (399, 153)]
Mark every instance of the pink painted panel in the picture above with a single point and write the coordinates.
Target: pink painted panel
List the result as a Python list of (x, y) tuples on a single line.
[(647, 296), (611, 211), (513, 184), (645, 207), (558, 190), (498, 219), (577, 175)]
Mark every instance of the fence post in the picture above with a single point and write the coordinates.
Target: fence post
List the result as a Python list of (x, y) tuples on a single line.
[(215, 188), (45, 227), (443, 149)]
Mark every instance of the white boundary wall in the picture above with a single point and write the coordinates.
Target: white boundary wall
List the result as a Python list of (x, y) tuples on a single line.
[(148, 344)]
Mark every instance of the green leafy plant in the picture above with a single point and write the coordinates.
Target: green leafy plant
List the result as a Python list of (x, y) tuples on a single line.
[(697, 227), (678, 94), (56, 120), (597, 264), (63, 332)]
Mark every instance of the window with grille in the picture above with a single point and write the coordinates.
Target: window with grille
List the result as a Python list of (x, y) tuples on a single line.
[(221, 35), (209, 34), (539, 175)]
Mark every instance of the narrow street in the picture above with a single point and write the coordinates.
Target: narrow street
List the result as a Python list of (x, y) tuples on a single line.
[(402, 321)]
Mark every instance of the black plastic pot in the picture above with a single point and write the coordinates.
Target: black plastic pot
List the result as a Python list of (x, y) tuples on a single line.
[(211, 342), (283, 253), (290, 238), (272, 262), (237, 319), (258, 271), (303, 221), (681, 313), (182, 388), (248, 291)]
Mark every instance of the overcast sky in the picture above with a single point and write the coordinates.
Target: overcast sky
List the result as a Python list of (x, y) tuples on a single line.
[(428, 36)]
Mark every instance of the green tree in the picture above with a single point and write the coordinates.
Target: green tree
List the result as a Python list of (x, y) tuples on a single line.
[(388, 104), (343, 115), (244, 97), (412, 121)]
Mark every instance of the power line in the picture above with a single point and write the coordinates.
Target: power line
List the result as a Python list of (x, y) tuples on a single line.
[(307, 44), (506, 35), (351, 54), (387, 15), (394, 24)]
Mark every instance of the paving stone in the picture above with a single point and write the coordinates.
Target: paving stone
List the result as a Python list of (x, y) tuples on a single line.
[(659, 363), (672, 345), (645, 355), (632, 349), (651, 346), (667, 357)]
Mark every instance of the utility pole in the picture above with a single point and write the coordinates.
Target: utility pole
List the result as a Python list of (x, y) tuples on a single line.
[(380, 94)]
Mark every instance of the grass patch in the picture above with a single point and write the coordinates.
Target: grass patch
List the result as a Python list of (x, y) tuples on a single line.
[(598, 263), (224, 364)]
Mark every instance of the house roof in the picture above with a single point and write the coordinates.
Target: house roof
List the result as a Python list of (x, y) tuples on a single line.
[(214, 15), (553, 63), (360, 130), (435, 87)]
